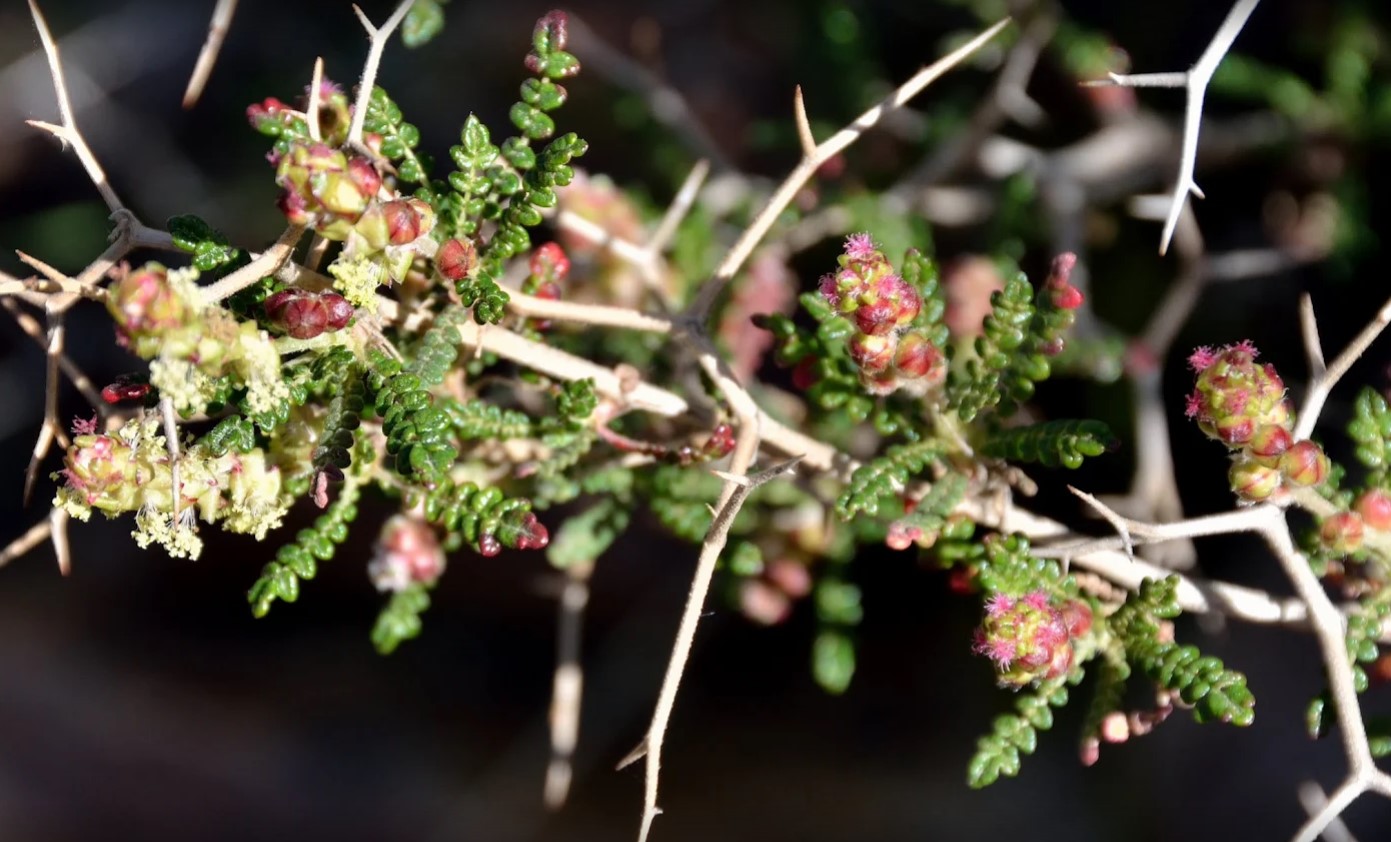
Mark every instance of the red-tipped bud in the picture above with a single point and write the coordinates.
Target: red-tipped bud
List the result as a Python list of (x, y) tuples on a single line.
[(1061, 292), (720, 443), (456, 259), (1304, 463), (872, 354), (1253, 481), (1269, 441), (403, 222), (363, 173), (126, 388), (1375, 508), (531, 533), (1341, 533), (918, 358)]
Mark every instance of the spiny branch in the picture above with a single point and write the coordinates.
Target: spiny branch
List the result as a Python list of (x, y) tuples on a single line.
[(710, 551), (710, 291), (379, 37), (1195, 80)]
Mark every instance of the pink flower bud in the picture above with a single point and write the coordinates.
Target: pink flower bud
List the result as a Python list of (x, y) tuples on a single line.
[(1304, 464), (872, 354), (1374, 505), (1269, 441), (407, 553), (1029, 638), (1234, 397), (1253, 481), (549, 263), (144, 303), (1342, 533), (918, 358)]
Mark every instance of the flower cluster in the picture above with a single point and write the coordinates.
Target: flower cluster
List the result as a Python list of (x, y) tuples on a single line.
[(882, 306), (130, 471), (337, 196), (1243, 405), (1029, 637), (160, 314)]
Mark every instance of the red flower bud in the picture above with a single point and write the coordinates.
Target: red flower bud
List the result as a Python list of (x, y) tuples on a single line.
[(456, 258), (403, 222), (305, 315), (918, 358), (364, 174), (549, 263)]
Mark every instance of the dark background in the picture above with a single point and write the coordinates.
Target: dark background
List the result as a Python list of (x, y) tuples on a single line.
[(139, 699)]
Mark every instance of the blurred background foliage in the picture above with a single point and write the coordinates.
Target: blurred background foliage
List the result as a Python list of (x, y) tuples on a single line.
[(141, 700)]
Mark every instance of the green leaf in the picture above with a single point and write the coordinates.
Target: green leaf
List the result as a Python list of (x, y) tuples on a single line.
[(423, 22), (833, 660), (587, 535)]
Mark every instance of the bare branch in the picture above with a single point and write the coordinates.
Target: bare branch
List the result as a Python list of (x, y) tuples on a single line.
[(1313, 799), (312, 112), (1320, 387), (268, 262), (52, 429), (32, 537), (799, 111), (68, 132), (1195, 79), (710, 551), (31, 327), (754, 233), (378, 38), (600, 315), (567, 688), (212, 45)]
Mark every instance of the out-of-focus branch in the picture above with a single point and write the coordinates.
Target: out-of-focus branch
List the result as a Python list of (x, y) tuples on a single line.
[(207, 56)]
